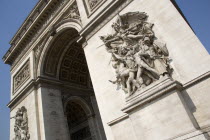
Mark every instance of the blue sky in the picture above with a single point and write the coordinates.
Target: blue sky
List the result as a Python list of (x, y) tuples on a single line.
[(14, 12)]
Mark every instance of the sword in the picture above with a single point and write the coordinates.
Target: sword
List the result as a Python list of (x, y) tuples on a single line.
[(100, 46)]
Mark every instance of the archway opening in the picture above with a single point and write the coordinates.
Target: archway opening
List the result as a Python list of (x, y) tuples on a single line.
[(77, 121), (65, 65)]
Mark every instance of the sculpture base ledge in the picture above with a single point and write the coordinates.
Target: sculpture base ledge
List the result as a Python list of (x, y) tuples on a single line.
[(151, 92)]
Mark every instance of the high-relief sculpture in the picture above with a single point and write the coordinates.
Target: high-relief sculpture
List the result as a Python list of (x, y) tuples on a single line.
[(73, 12), (21, 124), (138, 58)]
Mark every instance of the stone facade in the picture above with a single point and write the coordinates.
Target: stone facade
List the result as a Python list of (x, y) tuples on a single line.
[(67, 52)]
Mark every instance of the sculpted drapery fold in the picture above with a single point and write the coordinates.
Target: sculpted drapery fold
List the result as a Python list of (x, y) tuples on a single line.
[(138, 58)]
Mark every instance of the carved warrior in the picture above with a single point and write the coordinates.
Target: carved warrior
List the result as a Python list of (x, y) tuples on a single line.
[(138, 58), (21, 124)]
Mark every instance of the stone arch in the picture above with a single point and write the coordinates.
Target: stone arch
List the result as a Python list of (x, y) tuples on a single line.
[(63, 63), (81, 102), (80, 119), (57, 31)]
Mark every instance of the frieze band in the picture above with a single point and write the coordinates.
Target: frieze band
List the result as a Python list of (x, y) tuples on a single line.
[(22, 75)]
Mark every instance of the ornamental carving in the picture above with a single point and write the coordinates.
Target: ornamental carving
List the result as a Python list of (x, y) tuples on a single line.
[(93, 3), (22, 75), (21, 124), (138, 57), (73, 12), (74, 66), (56, 50), (39, 27)]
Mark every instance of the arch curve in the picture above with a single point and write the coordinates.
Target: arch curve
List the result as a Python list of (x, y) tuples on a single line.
[(65, 31), (68, 23), (81, 102)]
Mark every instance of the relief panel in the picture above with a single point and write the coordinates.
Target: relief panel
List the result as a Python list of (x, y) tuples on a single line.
[(22, 76), (72, 13), (21, 128), (92, 5), (138, 57)]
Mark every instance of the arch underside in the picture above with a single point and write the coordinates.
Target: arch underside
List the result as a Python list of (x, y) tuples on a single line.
[(77, 121), (63, 60)]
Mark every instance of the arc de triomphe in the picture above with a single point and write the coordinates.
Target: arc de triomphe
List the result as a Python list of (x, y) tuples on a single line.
[(108, 69)]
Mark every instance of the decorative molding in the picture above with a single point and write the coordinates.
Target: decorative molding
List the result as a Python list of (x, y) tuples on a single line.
[(119, 119), (21, 128), (138, 57), (23, 43), (92, 5), (192, 134), (38, 50), (49, 83), (74, 66), (196, 80), (29, 20), (56, 50), (108, 13), (22, 76), (150, 93), (72, 12), (55, 83), (22, 94)]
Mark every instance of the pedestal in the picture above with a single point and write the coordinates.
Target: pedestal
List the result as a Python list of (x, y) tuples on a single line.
[(150, 93)]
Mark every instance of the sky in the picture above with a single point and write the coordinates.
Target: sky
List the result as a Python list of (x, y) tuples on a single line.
[(14, 12)]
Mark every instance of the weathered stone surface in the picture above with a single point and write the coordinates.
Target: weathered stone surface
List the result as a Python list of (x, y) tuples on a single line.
[(21, 124), (138, 58), (30, 104), (169, 108)]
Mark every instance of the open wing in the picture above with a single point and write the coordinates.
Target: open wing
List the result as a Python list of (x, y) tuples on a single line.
[(162, 47)]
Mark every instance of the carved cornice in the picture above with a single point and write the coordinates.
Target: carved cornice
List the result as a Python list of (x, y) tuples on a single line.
[(45, 82), (196, 80), (29, 20), (43, 18), (151, 93), (33, 26), (43, 11)]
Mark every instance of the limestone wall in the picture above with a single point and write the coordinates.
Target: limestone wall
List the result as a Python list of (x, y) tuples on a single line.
[(30, 104), (197, 98), (189, 60), (53, 124), (173, 115), (19, 71)]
